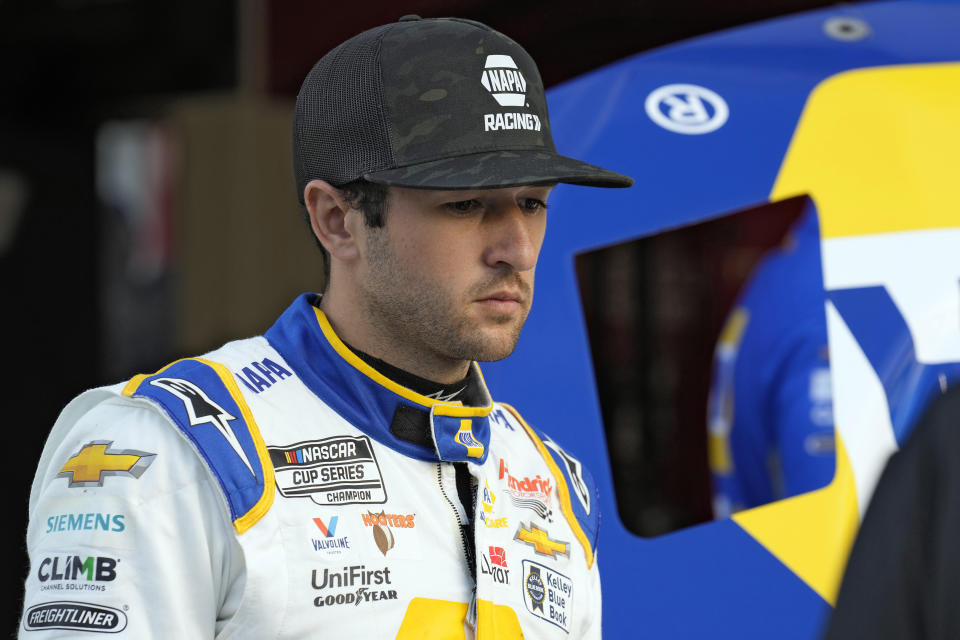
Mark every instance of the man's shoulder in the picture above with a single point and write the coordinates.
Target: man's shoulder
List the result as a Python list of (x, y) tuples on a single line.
[(577, 491), (203, 400)]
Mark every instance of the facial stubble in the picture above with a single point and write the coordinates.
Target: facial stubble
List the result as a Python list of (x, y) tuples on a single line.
[(411, 311)]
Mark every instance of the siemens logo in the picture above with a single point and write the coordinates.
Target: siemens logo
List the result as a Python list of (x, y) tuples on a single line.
[(86, 522)]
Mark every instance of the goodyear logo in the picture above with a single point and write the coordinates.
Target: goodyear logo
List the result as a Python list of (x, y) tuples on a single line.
[(95, 461)]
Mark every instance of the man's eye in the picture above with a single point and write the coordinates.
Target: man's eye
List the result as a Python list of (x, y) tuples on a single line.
[(533, 205), (463, 206)]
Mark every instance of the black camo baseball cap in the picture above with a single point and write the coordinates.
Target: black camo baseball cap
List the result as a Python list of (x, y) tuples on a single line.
[(438, 103)]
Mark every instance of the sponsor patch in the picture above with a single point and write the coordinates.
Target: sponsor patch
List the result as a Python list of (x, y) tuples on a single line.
[(262, 375), (74, 616), (330, 543), (466, 438), (69, 527), (527, 493), (504, 80), (548, 594), (76, 573), (329, 471), (494, 564), (95, 460), (354, 585), (381, 524), (487, 500), (541, 542), (86, 521)]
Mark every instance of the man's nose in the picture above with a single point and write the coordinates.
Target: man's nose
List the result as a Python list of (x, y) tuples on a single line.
[(514, 240)]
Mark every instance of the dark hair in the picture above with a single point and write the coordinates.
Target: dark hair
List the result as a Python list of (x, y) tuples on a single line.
[(369, 198)]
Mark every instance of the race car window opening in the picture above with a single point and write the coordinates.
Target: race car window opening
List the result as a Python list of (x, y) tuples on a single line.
[(655, 309)]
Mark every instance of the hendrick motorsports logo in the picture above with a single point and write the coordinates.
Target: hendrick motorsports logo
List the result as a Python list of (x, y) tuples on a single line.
[(74, 616), (528, 493), (329, 471), (687, 108)]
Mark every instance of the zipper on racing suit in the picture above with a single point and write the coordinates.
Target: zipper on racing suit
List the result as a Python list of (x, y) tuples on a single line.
[(463, 510)]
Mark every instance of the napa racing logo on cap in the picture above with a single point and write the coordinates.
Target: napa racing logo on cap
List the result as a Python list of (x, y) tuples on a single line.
[(687, 108), (505, 82), (548, 594), (329, 471)]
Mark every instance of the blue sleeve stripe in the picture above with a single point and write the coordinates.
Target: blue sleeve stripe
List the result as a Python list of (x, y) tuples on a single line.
[(203, 400)]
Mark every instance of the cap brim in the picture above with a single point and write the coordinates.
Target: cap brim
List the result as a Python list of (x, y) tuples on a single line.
[(494, 169)]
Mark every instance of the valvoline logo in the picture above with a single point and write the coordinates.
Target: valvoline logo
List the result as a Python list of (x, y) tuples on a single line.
[(328, 529), (330, 543)]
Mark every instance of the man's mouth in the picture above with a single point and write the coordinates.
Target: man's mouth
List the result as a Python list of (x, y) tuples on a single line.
[(502, 301)]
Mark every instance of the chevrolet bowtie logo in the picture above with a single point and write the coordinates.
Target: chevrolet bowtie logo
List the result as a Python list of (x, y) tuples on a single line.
[(540, 541), (89, 466)]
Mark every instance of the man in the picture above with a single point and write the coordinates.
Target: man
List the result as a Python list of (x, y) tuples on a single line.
[(347, 473), (770, 415)]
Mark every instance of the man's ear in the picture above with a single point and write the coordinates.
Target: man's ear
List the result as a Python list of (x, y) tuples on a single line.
[(328, 213)]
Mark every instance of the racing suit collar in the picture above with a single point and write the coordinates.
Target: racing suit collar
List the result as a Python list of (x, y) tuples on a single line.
[(372, 402)]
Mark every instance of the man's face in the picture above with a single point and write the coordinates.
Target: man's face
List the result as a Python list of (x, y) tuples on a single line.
[(450, 274)]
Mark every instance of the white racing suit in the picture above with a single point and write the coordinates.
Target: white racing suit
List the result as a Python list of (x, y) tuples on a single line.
[(262, 491)]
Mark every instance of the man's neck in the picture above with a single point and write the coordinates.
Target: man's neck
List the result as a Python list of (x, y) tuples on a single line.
[(353, 329)]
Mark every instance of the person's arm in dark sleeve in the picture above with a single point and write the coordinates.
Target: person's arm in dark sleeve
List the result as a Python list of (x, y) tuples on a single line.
[(903, 576)]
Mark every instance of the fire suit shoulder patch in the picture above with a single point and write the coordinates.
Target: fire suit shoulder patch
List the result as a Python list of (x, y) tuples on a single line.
[(203, 400), (576, 490)]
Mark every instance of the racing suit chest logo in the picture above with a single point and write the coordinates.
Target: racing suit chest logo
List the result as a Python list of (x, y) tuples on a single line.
[(330, 471)]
